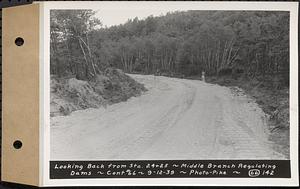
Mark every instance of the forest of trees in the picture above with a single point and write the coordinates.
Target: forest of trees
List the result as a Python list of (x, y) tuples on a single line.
[(254, 43)]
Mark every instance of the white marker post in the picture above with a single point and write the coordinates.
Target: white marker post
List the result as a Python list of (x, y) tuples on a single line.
[(203, 76)]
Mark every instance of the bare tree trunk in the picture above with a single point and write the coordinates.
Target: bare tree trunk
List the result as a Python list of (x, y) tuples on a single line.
[(85, 58), (90, 55)]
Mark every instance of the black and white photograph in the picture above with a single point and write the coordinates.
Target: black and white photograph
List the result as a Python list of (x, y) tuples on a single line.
[(169, 84)]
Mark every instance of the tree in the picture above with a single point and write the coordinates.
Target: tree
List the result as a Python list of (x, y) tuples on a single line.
[(188, 42), (71, 29)]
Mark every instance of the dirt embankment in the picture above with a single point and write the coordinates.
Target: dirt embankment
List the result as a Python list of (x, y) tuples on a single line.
[(70, 94), (273, 99)]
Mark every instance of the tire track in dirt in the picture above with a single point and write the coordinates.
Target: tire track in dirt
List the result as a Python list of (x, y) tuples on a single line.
[(247, 141), (153, 131)]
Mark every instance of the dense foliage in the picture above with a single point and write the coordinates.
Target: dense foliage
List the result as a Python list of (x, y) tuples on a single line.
[(70, 47), (252, 43)]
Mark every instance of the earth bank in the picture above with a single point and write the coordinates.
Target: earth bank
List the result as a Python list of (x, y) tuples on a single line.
[(69, 94)]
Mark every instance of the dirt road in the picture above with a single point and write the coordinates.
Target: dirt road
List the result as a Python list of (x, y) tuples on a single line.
[(174, 119)]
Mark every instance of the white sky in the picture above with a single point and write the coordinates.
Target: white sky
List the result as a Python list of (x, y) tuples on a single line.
[(116, 13), (115, 17)]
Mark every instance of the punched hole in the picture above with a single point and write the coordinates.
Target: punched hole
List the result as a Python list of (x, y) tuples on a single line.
[(17, 144), (19, 41)]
